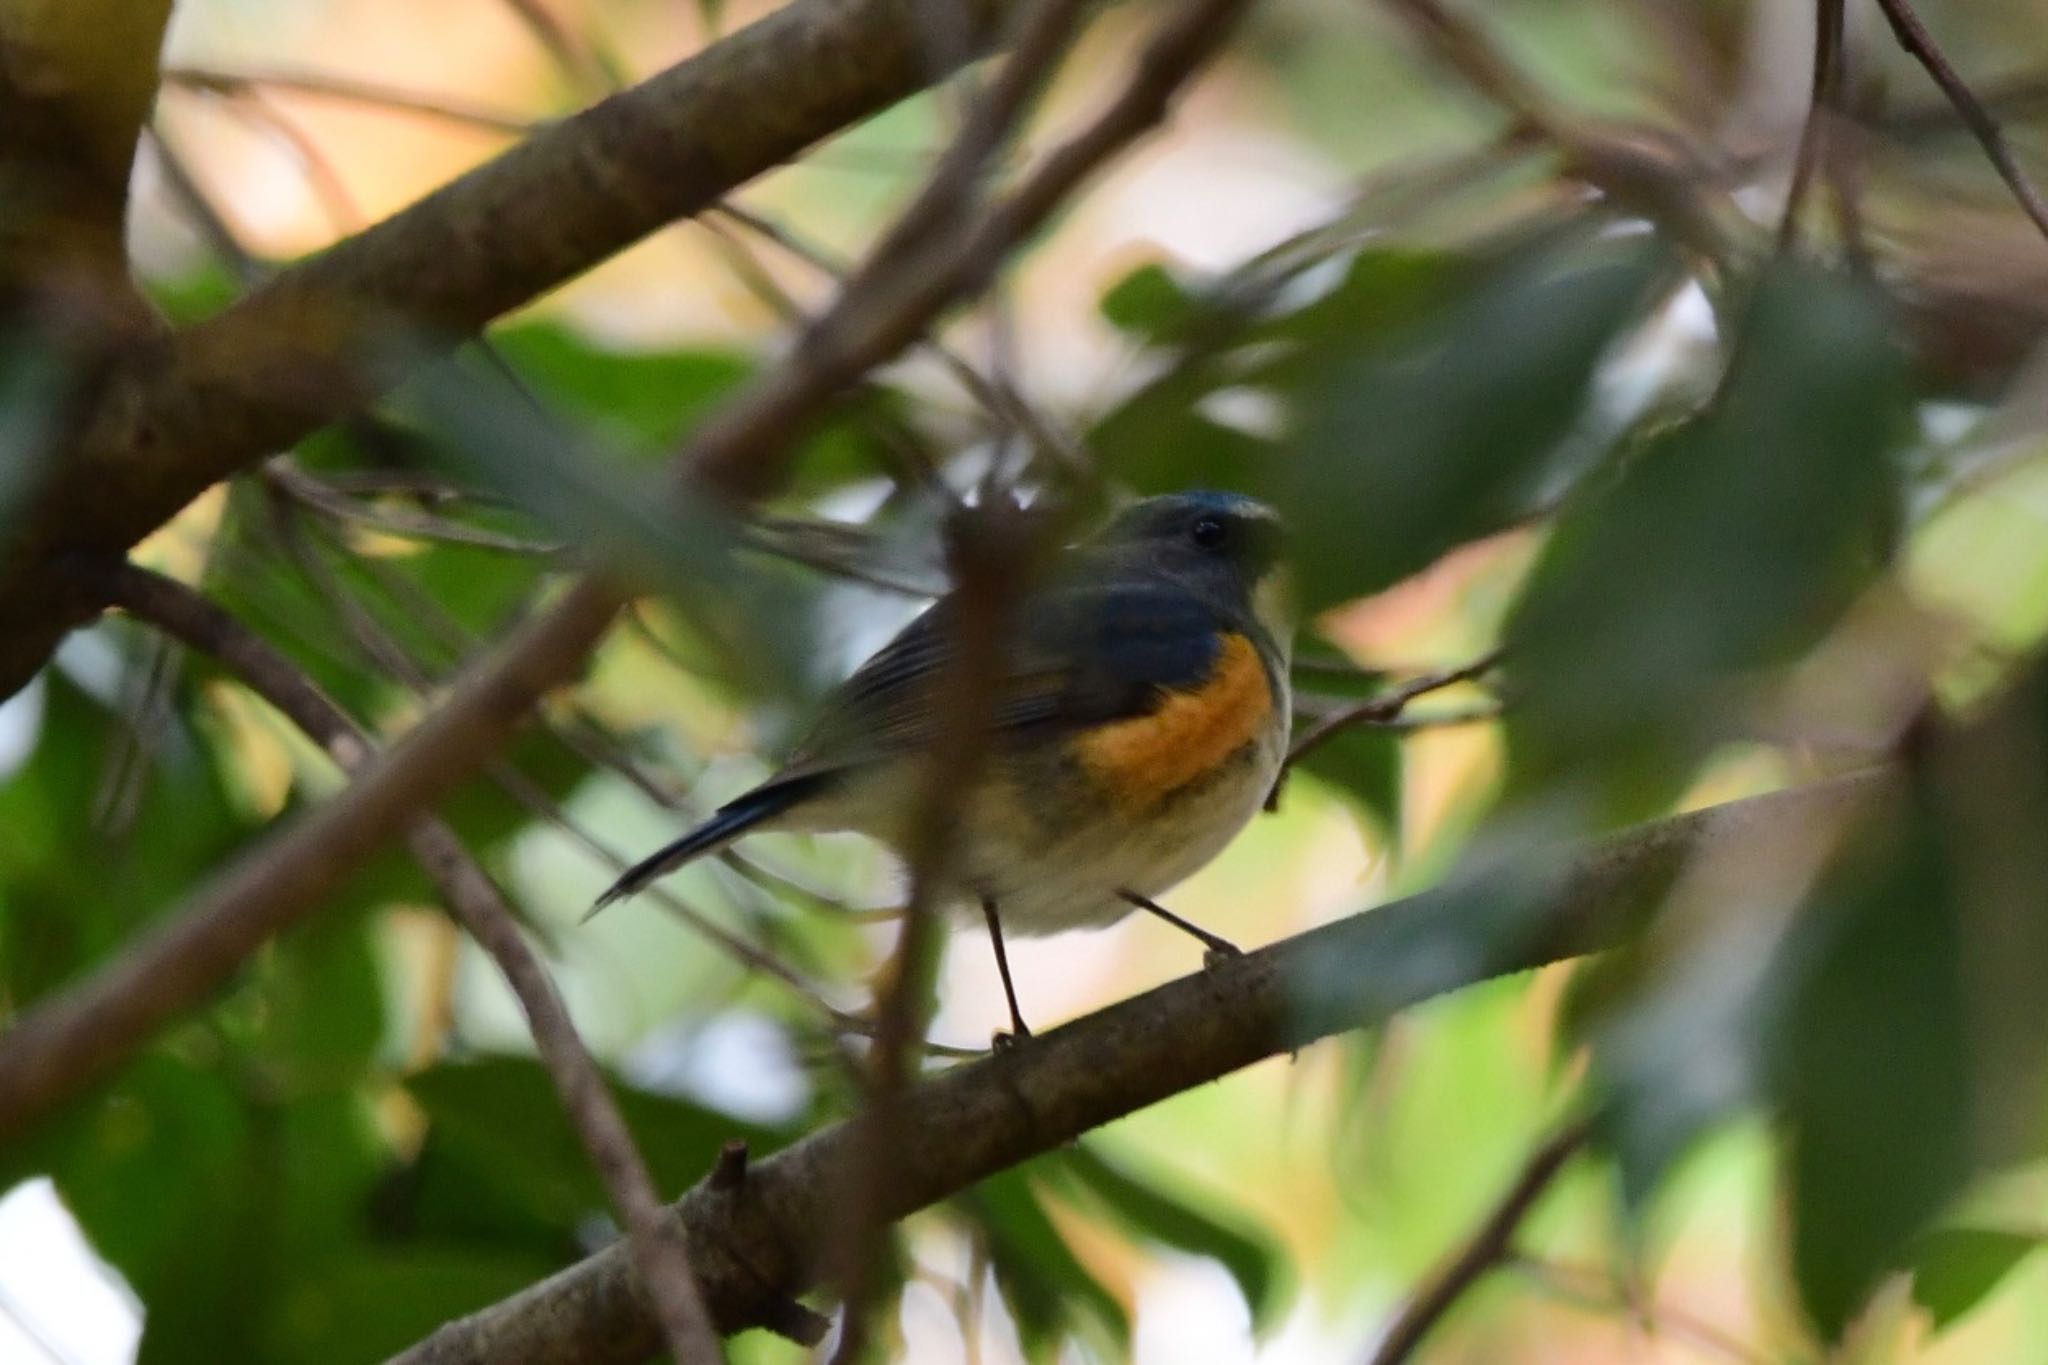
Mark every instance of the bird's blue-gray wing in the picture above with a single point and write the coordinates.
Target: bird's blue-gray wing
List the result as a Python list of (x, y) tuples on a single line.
[(1078, 655)]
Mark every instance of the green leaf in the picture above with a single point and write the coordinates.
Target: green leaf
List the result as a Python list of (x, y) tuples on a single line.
[(1955, 1269), (1364, 763), (641, 522), (1050, 1293), (322, 1004), (70, 891), (1876, 1065), (1153, 1213), (372, 1302), (1405, 449), (1724, 546), (640, 401), (499, 1125), (1149, 303), (1167, 435)]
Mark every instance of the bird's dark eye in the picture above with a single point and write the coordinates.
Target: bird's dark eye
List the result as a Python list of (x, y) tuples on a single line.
[(1208, 533)]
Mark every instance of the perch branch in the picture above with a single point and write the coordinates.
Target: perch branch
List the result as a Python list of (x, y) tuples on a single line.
[(757, 1246)]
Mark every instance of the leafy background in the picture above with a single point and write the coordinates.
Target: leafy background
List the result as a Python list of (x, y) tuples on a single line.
[(1335, 282)]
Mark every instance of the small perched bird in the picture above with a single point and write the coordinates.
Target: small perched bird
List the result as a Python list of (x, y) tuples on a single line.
[(1140, 717)]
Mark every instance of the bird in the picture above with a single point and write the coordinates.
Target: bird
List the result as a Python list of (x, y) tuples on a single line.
[(1139, 718)]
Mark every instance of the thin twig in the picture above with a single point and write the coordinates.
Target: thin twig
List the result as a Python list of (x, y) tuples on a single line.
[(1590, 1288), (1489, 1246), (241, 83), (196, 622), (320, 497), (1914, 37), (1386, 707), (1821, 109), (988, 568)]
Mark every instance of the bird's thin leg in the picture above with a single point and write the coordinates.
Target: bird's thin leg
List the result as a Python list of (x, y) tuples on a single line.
[(1218, 946), (995, 936)]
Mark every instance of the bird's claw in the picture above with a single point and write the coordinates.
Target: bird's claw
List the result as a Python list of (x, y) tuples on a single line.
[(1220, 952)]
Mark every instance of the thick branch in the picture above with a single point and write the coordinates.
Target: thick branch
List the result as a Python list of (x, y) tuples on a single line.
[(77, 78), (755, 1245), (290, 357)]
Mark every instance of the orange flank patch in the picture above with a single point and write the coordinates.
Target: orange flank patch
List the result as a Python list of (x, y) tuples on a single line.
[(1147, 758)]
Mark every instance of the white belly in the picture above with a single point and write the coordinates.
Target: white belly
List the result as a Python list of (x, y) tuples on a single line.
[(1073, 881)]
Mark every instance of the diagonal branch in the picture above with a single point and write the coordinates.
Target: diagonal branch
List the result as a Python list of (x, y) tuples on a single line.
[(1491, 1245), (295, 354), (1914, 37), (755, 1243), (659, 1254), (1387, 707)]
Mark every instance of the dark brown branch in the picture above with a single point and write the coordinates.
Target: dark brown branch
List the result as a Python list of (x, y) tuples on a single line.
[(1914, 37), (659, 1252), (1386, 707), (1822, 107), (1491, 1245), (296, 353), (753, 1251)]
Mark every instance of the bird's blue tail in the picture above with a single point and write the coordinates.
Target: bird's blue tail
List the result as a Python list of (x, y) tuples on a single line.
[(726, 824)]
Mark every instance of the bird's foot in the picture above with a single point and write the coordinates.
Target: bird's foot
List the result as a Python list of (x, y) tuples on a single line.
[(1219, 952), (1001, 1042)]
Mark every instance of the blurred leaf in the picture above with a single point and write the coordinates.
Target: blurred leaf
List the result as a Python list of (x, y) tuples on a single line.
[(1160, 440), (70, 892), (1364, 763), (373, 1302), (500, 1124), (1161, 1217), (1876, 1066), (640, 522), (1168, 435), (323, 1014), (193, 295), (1149, 303), (1408, 449), (644, 403), (1955, 1269), (641, 401), (1050, 1293), (1722, 547)]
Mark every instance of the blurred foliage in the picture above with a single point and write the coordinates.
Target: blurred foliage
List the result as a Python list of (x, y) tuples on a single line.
[(1741, 516)]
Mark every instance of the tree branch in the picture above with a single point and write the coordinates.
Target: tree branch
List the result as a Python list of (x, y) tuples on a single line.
[(1914, 37), (297, 352), (77, 78), (756, 1244), (1384, 708), (659, 1254), (67, 1044), (1492, 1244)]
